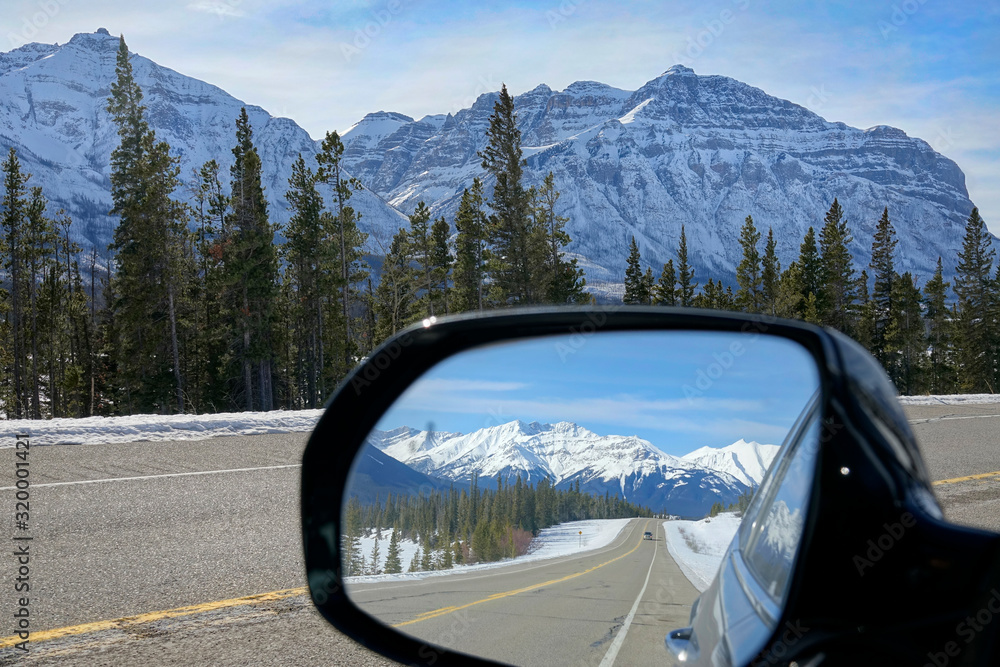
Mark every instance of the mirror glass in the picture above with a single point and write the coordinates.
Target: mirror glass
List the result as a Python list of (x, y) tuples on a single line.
[(565, 499)]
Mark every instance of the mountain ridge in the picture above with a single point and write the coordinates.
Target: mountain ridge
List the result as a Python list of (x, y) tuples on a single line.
[(566, 452), (53, 112), (702, 151)]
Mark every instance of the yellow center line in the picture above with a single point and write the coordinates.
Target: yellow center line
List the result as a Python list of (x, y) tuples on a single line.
[(953, 480), (149, 617), (444, 611), (139, 619)]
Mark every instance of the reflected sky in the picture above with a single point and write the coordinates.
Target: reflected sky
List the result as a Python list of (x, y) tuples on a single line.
[(678, 390)]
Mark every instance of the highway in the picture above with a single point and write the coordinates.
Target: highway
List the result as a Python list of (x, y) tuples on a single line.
[(607, 604), (188, 553)]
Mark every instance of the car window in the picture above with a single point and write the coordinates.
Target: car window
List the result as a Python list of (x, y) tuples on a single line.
[(773, 537), (765, 491)]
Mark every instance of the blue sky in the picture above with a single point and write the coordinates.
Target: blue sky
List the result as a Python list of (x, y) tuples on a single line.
[(678, 390), (928, 67)]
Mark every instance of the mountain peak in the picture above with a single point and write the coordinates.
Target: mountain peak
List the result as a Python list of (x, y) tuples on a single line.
[(679, 70), (100, 39), (747, 461)]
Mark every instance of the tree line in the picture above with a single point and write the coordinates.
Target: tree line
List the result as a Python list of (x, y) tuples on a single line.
[(926, 341), (194, 308), (471, 525)]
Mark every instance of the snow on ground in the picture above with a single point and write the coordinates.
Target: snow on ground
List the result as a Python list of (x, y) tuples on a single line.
[(698, 546), (138, 428), (407, 548), (561, 540), (953, 399)]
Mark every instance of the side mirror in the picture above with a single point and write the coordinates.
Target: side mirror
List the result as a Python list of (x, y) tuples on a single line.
[(480, 489)]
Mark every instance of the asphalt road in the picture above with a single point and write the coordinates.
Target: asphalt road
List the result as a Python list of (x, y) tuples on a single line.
[(613, 603), (958, 442), (204, 524)]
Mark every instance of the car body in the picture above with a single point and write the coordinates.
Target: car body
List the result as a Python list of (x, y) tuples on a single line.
[(871, 573), (647, 535)]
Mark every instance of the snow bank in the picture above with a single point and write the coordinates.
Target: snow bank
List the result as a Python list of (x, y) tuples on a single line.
[(138, 428), (557, 541), (153, 428), (952, 399), (698, 546)]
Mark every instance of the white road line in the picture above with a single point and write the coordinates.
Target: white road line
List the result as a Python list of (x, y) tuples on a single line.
[(950, 418), (173, 474), (609, 657)]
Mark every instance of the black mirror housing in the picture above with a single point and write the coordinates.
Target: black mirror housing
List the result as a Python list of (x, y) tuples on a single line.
[(870, 478)]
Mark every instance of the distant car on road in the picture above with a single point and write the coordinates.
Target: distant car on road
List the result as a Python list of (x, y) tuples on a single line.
[(647, 535)]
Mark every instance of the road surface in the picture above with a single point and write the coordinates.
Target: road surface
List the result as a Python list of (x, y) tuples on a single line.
[(167, 562)]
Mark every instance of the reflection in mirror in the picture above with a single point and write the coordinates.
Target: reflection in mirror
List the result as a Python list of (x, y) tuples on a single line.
[(563, 500)]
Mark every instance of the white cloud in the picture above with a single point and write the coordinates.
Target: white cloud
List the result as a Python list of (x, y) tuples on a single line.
[(220, 9)]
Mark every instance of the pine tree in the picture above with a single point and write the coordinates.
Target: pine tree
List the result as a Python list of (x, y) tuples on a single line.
[(415, 562), (40, 244), (512, 275), (648, 284), (252, 273), (810, 268), (789, 300), (16, 402), (420, 244), (395, 296), (836, 296), (976, 294), (152, 252), (471, 252), (212, 332), (563, 281), (349, 242), (864, 331), (941, 377), (373, 560), (665, 294), (711, 296), (441, 264), (635, 285), (883, 249), (686, 286), (351, 541), (748, 273), (310, 273), (905, 338), (392, 562), (427, 559), (770, 276)]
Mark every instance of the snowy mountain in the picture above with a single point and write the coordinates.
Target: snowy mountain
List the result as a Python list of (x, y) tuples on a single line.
[(375, 475), (746, 461), (565, 452), (52, 111), (702, 151)]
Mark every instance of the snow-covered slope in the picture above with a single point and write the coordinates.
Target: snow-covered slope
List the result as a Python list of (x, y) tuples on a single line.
[(698, 547), (52, 110), (565, 452), (702, 151), (746, 461)]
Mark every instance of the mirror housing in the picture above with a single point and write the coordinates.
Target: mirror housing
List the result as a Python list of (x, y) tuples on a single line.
[(869, 476)]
